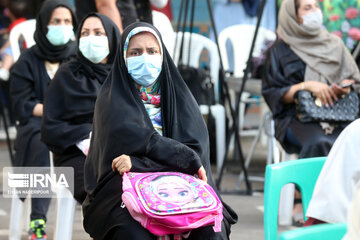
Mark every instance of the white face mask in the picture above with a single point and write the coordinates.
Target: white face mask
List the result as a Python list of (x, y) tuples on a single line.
[(59, 34), (313, 21), (94, 48)]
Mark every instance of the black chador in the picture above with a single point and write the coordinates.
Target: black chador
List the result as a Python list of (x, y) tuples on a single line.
[(122, 126), (70, 101), (29, 80)]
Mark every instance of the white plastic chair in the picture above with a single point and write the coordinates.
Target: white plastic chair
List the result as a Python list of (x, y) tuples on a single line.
[(26, 30), (17, 222), (198, 44), (163, 24), (241, 37), (65, 209)]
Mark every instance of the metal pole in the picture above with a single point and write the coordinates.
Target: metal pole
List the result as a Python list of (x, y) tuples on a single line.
[(233, 115)]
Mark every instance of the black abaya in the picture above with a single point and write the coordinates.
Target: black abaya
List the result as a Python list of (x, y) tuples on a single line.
[(284, 69), (122, 126), (69, 104), (28, 83)]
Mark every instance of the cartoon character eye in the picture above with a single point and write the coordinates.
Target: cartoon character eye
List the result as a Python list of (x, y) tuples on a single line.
[(163, 194), (183, 193)]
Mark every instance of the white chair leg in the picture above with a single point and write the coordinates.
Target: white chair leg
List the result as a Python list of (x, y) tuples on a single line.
[(286, 204), (16, 217), (26, 213), (65, 210), (218, 112), (244, 97), (275, 149)]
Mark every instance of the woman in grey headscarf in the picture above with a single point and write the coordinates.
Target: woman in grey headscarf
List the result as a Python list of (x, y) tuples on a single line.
[(306, 57)]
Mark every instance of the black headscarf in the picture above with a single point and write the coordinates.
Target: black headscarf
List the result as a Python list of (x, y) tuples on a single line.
[(43, 48), (122, 126), (70, 98), (100, 71)]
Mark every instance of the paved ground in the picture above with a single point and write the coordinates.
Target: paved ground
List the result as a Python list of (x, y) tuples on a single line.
[(249, 208)]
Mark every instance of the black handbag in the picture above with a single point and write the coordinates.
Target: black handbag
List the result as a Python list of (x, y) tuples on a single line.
[(197, 79), (309, 108), (199, 83)]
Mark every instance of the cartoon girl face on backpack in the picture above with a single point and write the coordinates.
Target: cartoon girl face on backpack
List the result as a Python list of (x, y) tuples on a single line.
[(174, 190)]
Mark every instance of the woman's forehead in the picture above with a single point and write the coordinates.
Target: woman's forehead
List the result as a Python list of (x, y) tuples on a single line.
[(144, 39), (92, 22)]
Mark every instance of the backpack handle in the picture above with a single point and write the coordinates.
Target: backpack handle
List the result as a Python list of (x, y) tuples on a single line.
[(126, 181)]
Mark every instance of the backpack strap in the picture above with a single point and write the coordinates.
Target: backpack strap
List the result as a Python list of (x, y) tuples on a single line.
[(126, 181), (217, 226)]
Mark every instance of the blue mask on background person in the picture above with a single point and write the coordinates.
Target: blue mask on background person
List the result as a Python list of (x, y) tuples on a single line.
[(144, 69), (59, 34), (94, 48)]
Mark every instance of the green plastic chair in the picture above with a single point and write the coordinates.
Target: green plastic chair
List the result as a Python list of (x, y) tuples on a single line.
[(302, 172), (321, 231)]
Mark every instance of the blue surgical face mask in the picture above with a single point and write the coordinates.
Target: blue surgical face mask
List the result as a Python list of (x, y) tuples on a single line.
[(59, 34), (144, 69), (94, 48)]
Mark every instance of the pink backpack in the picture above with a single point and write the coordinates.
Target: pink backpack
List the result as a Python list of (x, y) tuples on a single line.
[(171, 202)]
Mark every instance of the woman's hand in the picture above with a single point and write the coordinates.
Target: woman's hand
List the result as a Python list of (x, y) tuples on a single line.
[(38, 110), (322, 91), (202, 174), (339, 90), (122, 164)]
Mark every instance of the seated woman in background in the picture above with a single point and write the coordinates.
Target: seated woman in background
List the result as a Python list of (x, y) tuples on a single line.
[(145, 120), (70, 99), (306, 57), (29, 79)]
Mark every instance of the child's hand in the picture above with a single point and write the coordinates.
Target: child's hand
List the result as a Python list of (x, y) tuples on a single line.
[(122, 164), (202, 174)]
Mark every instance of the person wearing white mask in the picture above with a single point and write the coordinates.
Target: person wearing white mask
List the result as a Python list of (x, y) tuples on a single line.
[(306, 57), (29, 79), (68, 114)]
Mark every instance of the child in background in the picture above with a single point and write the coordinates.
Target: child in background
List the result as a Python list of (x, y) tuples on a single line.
[(16, 12)]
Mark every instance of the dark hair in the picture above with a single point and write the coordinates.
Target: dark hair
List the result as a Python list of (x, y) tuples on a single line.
[(297, 5), (17, 8)]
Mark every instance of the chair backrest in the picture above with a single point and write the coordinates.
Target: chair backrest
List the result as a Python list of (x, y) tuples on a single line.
[(163, 24), (321, 231), (302, 172), (240, 37), (198, 44), (25, 29)]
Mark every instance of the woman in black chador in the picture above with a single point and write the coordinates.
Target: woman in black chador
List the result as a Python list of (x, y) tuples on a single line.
[(70, 99), (145, 120), (29, 80)]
